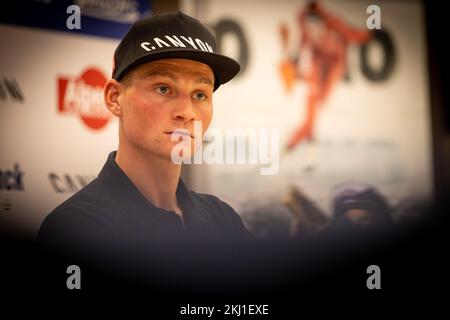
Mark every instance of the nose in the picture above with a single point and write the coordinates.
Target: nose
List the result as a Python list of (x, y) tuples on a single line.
[(184, 109)]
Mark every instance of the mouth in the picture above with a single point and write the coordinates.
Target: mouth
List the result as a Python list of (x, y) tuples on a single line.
[(181, 132)]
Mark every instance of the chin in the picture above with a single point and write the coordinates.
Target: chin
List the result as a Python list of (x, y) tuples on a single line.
[(185, 155)]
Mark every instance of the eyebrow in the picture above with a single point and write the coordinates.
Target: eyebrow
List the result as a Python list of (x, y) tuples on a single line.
[(203, 79), (167, 74), (160, 73)]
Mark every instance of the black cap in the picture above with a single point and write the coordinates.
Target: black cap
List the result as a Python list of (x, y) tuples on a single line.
[(172, 35)]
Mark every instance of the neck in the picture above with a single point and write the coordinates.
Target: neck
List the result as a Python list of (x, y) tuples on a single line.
[(156, 178)]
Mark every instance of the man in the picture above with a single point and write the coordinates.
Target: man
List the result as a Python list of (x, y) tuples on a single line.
[(165, 72)]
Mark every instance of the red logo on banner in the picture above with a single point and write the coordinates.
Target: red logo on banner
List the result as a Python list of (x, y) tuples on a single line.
[(83, 96)]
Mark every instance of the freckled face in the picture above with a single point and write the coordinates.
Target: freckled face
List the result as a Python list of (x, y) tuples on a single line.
[(162, 96)]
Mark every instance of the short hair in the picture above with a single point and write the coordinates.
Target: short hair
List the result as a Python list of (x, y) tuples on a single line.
[(127, 78)]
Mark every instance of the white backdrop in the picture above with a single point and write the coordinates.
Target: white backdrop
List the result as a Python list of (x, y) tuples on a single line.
[(35, 134)]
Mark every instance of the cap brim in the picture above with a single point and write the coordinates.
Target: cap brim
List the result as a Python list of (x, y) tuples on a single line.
[(224, 68)]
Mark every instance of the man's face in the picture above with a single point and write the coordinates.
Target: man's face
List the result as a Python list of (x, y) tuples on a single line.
[(162, 96)]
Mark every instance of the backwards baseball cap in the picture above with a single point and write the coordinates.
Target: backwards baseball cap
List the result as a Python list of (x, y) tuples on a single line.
[(171, 35)]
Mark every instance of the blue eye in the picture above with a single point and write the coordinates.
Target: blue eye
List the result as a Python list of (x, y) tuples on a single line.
[(200, 96), (163, 89)]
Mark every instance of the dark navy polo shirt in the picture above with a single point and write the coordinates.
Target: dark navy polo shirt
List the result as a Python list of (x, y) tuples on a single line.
[(111, 210)]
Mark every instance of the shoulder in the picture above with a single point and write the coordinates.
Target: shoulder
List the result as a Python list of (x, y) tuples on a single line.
[(91, 200), (82, 218), (220, 211)]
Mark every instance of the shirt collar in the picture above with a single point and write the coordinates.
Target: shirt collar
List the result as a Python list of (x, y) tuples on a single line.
[(130, 201)]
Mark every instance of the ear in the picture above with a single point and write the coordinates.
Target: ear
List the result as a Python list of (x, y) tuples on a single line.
[(111, 93)]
